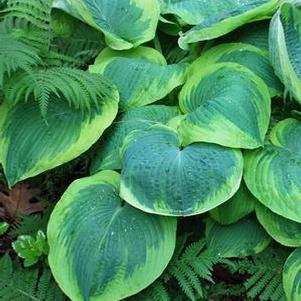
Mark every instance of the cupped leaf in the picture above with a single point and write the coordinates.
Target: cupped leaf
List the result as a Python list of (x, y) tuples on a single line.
[(31, 144), (125, 23), (101, 248), (218, 18), (292, 276), (283, 230), (247, 55), (159, 177), (244, 238), (141, 75), (285, 46), (239, 206), (273, 173), (226, 104), (107, 152)]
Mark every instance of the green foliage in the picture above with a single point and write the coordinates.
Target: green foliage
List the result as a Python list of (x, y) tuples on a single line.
[(31, 249), (80, 89), (67, 68), (265, 274), (15, 55), (26, 285), (3, 228), (190, 270)]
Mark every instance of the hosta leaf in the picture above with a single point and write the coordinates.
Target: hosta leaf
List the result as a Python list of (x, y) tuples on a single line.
[(273, 173), (101, 248), (108, 150), (240, 205), (247, 55), (291, 276), (218, 18), (285, 46), (141, 75), (226, 104), (283, 230), (244, 238), (125, 23), (159, 177), (31, 144), (256, 34)]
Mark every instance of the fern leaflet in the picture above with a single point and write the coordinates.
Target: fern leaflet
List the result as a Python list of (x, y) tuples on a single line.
[(80, 89), (27, 285)]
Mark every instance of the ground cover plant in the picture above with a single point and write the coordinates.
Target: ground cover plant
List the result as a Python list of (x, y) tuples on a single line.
[(150, 150)]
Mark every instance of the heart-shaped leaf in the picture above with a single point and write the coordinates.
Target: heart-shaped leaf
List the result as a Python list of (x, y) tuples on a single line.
[(159, 177), (226, 104), (273, 173), (31, 144), (103, 249), (141, 75)]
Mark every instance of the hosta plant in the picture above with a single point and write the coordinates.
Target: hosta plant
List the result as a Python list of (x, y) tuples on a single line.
[(159, 143)]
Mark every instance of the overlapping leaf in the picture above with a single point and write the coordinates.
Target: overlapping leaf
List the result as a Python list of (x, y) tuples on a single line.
[(31, 144), (273, 173), (244, 238), (285, 46), (283, 230), (160, 177), (141, 75), (102, 249), (107, 152), (291, 276), (212, 19), (249, 56), (239, 206), (125, 23)]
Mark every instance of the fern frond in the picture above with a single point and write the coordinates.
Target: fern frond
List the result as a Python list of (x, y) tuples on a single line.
[(23, 15), (265, 270), (80, 89), (27, 285), (191, 267), (15, 55), (155, 292)]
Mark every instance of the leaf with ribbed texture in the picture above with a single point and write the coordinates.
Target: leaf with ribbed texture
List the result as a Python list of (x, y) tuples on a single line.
[(107, 152), (273, 173), (285, 46), (31, 144), (226, 104), (125, 23), (283, 230), (213, 19), (247, 55), (244, 238), (161, 178), (101, 248), (239, 206), (141, 75), (256, 34), (292, 276)]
